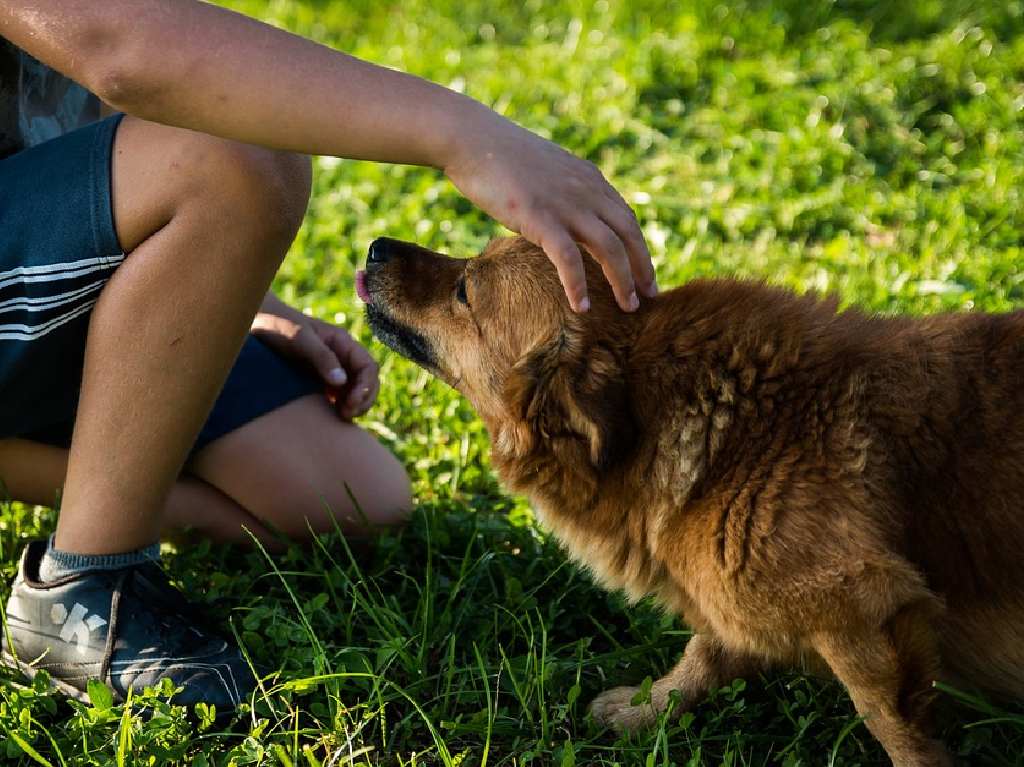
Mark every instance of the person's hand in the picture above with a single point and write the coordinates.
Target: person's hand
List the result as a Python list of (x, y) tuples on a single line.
[(348, 370), (555, 200)]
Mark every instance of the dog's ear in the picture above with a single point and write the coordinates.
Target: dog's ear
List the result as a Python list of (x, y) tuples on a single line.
[(561, 389)]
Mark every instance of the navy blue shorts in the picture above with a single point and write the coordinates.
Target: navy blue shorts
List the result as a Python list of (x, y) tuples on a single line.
[(58, 247)]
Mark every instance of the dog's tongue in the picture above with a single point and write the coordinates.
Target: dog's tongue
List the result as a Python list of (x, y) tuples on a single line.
[(361, 290)]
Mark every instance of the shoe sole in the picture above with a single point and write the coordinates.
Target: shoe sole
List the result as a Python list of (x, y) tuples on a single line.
[(222, 718), (55, 684)]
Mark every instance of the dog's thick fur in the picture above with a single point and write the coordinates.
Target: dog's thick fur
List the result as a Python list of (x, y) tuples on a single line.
[(800, 485)]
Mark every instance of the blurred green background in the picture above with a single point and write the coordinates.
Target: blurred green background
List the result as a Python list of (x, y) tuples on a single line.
[(870, 149), (853, 146)]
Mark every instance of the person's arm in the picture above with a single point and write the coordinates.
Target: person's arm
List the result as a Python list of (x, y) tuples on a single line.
[(193, 65)]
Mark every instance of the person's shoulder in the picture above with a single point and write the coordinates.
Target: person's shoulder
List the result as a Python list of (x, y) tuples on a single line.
[(10, 75)]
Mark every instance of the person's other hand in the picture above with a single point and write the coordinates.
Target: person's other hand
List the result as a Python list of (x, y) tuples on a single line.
[(348, 370), (555, 200)]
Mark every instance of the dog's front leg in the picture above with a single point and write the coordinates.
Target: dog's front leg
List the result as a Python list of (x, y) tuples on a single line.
[(705, 666)]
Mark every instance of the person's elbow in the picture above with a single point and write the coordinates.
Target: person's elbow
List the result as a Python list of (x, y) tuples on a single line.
[(123, 88), (120, 68), (128, 86)]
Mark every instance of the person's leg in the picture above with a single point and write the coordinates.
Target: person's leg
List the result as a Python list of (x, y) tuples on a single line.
[(295, 467), (292, 469), (206, 223), (33, 472)]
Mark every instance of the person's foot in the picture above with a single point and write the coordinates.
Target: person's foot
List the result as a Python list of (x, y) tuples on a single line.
[(128, 628)]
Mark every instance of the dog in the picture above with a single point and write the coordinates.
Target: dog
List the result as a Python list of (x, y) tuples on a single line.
[(803, 486)]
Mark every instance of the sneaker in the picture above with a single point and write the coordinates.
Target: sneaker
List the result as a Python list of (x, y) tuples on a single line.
[(128, 628)]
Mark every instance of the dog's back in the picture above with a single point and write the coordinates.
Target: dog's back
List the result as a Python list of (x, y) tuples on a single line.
[(940, 402), (956, 448)]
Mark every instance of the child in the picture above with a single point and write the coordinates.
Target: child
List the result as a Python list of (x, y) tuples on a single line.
[(135, 252)]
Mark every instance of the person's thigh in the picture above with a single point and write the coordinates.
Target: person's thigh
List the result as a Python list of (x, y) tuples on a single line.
[(58, 250), (299, 465)]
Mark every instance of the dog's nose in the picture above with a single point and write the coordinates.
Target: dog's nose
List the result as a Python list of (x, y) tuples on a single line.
[(378, 253)]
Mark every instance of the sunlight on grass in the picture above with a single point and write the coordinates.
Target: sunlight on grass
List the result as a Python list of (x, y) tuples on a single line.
[(868, 149)]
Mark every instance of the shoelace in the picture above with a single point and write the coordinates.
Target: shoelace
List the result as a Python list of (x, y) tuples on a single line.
[(115, 611), (141, 578)]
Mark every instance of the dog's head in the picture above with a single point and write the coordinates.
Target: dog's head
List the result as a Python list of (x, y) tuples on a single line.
[(500, 330)]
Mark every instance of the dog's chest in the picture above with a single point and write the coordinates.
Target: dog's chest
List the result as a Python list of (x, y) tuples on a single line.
[(676, 567), (615, 554)]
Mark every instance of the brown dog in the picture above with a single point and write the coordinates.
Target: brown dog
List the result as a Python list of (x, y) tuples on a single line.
[(799, 485)]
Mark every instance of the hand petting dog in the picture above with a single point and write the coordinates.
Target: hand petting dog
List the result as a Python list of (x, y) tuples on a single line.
[(555, 200)]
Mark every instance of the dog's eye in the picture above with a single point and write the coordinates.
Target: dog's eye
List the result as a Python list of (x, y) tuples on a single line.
[(460, 292)]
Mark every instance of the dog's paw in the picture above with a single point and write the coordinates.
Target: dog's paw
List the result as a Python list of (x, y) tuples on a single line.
[(614, 708)]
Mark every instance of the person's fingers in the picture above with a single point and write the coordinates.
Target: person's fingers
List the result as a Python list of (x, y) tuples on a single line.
[(606, 247), (362, 369), (621, 220), (363, 392), (351, 354), (309, 346), (561, 249), (364, 395)]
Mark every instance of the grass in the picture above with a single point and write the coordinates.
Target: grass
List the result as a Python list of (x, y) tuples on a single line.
[(869, 149)]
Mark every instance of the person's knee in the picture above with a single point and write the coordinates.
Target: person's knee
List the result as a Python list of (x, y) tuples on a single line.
[(288, 180), (307, 503), (302, 470), (270, 189), (388, 502), (162, 173), (372, 500), (375, 502)]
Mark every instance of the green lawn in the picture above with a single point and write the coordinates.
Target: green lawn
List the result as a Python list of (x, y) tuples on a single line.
[(869, 149)]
